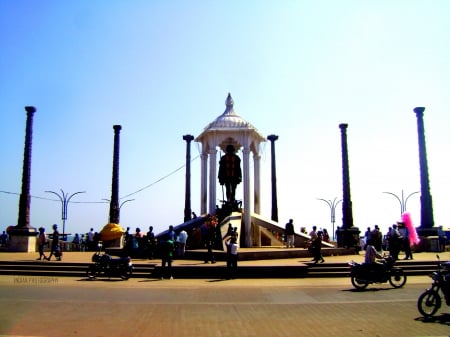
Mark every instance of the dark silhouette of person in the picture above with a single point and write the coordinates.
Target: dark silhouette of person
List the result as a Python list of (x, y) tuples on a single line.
[(230, 173), (55, 249)]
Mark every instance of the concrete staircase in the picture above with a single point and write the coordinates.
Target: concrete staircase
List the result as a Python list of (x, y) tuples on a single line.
[(197, 269)]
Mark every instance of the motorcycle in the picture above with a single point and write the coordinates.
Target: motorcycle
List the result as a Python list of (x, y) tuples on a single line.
[(362, 274), (430, 301), (104, 264)]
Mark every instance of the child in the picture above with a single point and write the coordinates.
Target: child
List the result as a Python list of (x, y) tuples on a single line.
[(232, 256), (41, 242)]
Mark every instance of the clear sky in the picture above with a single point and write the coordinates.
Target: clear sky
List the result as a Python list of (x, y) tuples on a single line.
[(163, 69)]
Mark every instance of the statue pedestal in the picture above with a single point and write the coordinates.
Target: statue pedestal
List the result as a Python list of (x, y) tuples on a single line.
[(116, 243), (348, 238), (22, 239), (429, 240)]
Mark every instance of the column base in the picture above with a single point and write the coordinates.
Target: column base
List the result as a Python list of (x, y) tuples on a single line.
[(22, 239)]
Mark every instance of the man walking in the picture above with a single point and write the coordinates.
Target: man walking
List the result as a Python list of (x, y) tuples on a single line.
[(290, 234)]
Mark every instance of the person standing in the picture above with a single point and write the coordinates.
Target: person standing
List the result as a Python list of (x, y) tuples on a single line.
[(150, 243), (182, 239), (55, 249), (404, 234), (394, 242), (317, 248), (326, 236), (90, 240), (167, 248), (76, 242), (289, 233), (377, 238), (171, 233), (41, 240), (209, 232), (232, 256), (367, 236)]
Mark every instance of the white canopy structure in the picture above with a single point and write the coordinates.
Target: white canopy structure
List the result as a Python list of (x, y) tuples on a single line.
[(230, 129)]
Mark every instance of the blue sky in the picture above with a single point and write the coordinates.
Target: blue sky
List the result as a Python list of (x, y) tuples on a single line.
[(163, 69)]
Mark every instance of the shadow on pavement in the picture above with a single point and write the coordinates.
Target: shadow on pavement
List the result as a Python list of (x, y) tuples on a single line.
[(441, 319), (101, 279)]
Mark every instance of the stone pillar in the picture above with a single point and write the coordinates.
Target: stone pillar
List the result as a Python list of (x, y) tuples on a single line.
[(426, 204), (347, 214), (23, 236), (212, 181), (350, 234), (274, 217), (256, 195), (114, 208), (203, 183), (257, 182), (247, 210), (187, 199)]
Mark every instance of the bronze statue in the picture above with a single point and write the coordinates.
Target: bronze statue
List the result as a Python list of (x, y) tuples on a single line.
[(230, 173)]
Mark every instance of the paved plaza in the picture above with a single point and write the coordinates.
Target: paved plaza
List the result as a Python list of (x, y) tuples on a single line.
[(66, 306)]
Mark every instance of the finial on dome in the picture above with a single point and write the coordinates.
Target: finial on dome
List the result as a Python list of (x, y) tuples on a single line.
[(229, 102)]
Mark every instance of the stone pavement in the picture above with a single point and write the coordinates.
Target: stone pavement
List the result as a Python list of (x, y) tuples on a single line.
[(212, 308)]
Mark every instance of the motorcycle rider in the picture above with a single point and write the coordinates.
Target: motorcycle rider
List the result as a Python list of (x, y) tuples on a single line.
[(371, 257)]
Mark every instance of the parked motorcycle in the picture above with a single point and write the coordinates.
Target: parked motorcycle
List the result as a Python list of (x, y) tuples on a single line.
[(362, 274), (104, 264), (430, 301)]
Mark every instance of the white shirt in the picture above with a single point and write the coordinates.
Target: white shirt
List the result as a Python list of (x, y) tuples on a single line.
[(182, 237), (371, 254)]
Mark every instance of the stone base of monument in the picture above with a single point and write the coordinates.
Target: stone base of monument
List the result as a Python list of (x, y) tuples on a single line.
[(429, 240), (116, 243), (22, 239)]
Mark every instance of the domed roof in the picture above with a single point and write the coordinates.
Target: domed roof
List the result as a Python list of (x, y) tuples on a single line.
[(229, 128), (229, 119)]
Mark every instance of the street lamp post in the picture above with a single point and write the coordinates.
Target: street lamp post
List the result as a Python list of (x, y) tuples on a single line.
[(402, 200), (332, 204), (65, 199), (123, 202)]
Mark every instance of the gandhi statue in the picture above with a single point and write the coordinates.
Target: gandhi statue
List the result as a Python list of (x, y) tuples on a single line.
[(230, 173)]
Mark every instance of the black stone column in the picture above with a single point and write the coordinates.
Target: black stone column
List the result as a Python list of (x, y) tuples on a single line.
[(349, 235), (347, 214), (24, 202), (187, 200), (114, 208), (274, 217), (426, 204), (23, 236)]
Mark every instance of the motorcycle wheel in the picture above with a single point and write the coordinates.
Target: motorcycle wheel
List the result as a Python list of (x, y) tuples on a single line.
[(125, 273), (428, 303), (92, 271), (397, 278), (358, 284)]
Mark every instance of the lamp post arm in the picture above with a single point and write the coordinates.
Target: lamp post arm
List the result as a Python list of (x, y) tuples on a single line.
[(329, 203), (409, 197), (333, 209), (396, 197), (125, 202), (62, 202), (68, 199)]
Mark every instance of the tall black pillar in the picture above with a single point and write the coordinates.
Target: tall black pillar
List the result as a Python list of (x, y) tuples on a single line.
[(24, 202), (347, 214), (426, 204), (23, 236), (114, 208), (187, 200), (274, 217), (348, 235)]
